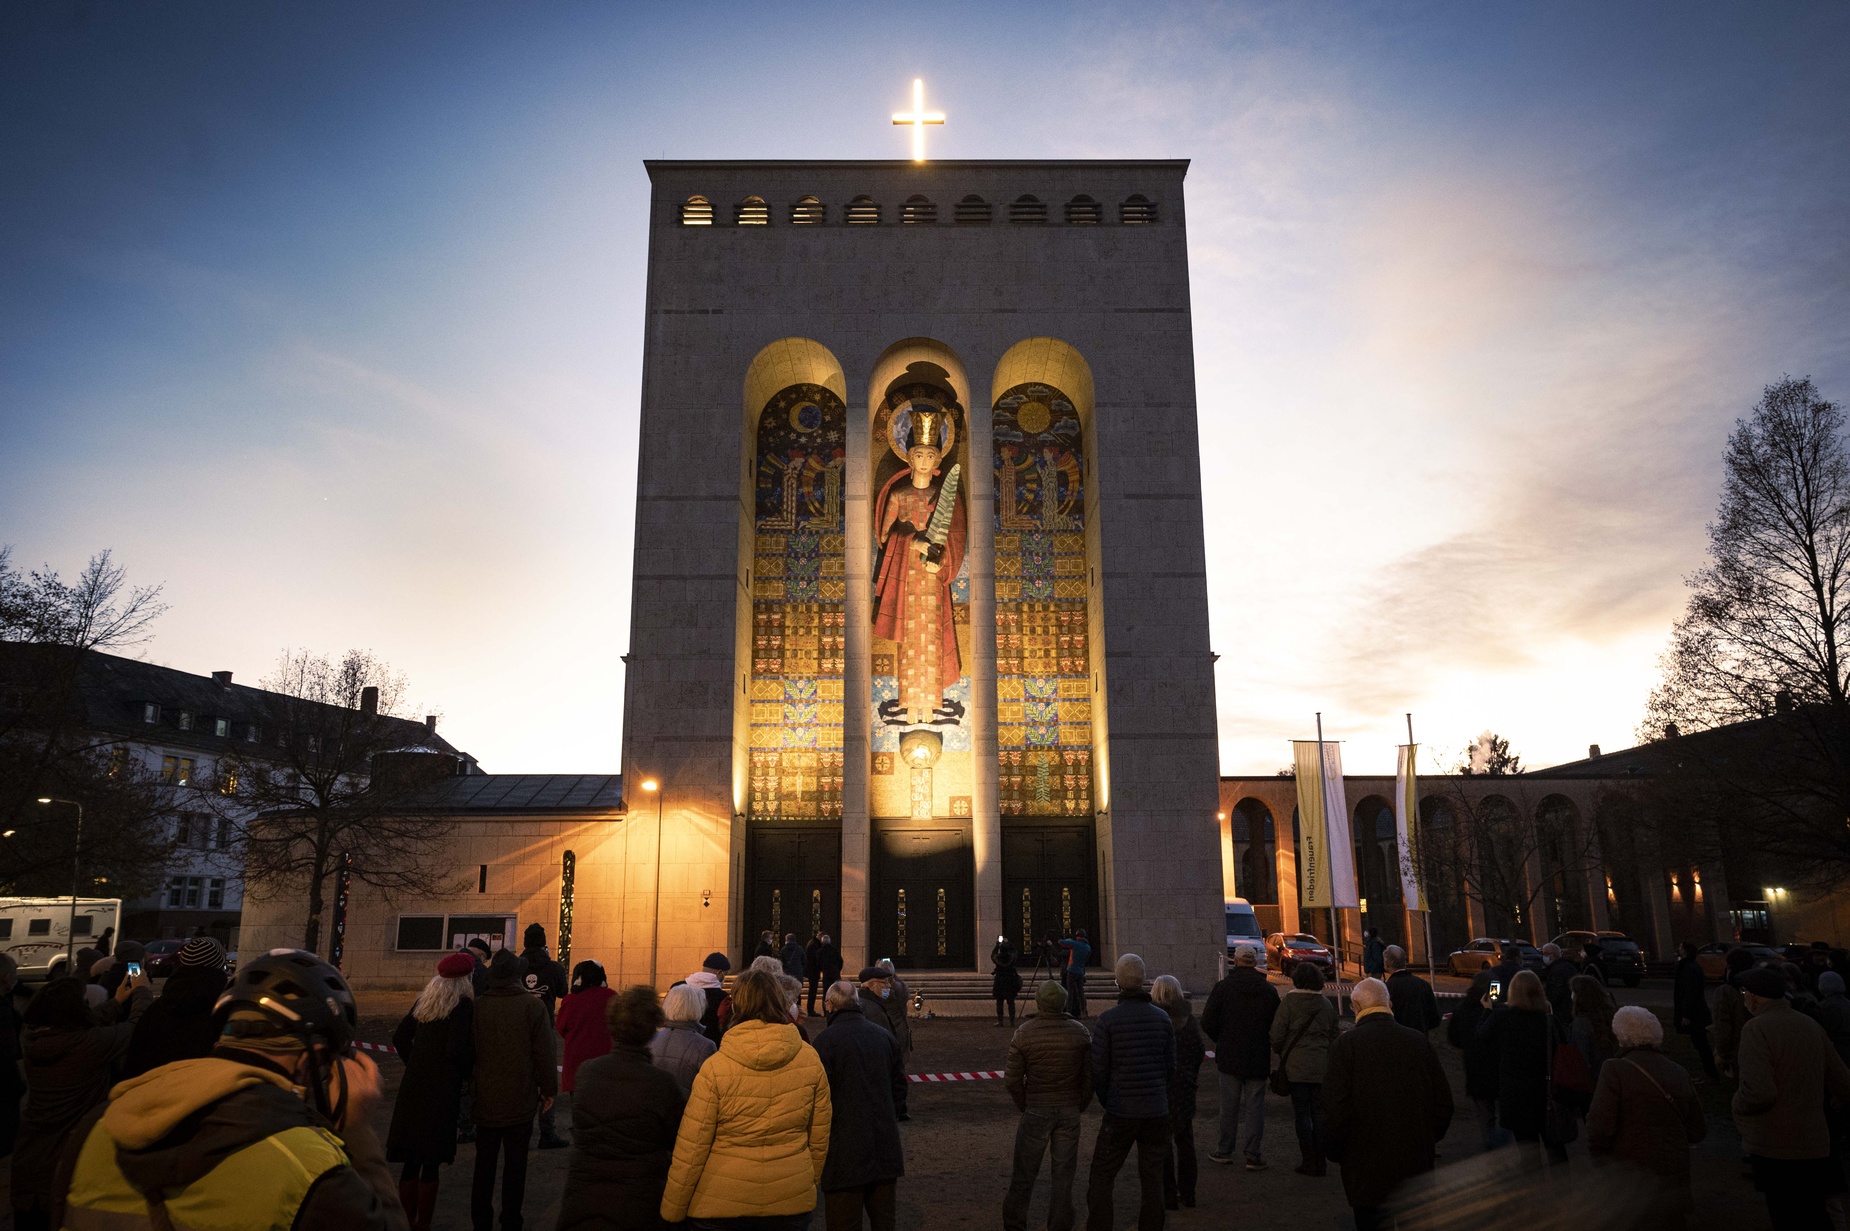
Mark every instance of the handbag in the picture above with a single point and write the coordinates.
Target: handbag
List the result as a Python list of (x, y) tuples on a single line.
[(1279, 1083), (1559, 1123)]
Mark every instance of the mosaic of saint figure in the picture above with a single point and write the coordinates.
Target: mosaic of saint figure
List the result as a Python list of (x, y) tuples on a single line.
[(919, 527)]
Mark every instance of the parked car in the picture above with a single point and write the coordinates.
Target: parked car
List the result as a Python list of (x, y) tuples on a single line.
[(1486, 951), (161, 958), (1713, 958), (1619, 955), (1288, 949)]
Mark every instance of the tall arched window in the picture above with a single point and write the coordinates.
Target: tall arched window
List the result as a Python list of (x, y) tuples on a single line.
[(696, 211)]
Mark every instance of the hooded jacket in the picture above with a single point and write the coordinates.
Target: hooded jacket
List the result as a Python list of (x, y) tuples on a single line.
[(222, 1144), (755, 1135), (178, 1025), (68, 1072), (713, 987)]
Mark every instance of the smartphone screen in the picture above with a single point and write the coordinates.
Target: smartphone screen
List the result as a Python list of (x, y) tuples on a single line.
[(134, 968), (1496, 989)]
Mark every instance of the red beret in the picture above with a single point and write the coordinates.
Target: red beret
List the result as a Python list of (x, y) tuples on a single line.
[(456, 965)]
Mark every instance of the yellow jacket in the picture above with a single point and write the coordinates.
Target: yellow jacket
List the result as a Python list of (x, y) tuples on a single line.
[(756, 1130)]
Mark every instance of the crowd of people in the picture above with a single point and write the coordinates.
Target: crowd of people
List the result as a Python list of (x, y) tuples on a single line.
[(724, 1105)]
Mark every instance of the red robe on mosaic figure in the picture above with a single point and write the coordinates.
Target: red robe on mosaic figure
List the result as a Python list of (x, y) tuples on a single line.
[(901, 516)]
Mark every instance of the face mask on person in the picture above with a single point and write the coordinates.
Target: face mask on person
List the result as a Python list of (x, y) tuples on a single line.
[(885, 992)]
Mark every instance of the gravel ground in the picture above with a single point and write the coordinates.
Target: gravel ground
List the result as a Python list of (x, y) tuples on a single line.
[(960, 1139)]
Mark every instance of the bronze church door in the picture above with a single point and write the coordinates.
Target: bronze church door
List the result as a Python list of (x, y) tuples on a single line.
[(795, 883), (1048, 885), (923, 901)]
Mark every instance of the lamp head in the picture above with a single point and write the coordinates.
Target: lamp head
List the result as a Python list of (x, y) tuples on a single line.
[(650, 784), (44, 799)]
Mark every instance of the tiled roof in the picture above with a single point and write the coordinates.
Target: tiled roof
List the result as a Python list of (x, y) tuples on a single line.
[(524, 793)]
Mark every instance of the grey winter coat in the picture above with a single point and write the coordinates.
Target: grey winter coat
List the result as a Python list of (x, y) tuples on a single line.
[(1314, 1015), (681, 1048)]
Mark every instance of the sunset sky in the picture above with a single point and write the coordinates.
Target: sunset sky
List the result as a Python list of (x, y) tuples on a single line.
[(329, 318)]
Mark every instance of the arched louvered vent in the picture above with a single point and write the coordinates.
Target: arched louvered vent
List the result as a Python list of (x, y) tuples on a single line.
[(1137, 211), (1082, 211), (917, 211), (1027, 209), (863, 212), (808, 212), (752, 212), (696, 211), (973, 211)]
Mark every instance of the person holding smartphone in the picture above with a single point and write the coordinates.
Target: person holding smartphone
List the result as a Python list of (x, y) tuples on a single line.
[(179, 1024), (1480, 1060)]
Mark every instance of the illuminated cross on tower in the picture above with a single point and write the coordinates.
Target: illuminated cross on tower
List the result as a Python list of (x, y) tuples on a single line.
[(918, 117)]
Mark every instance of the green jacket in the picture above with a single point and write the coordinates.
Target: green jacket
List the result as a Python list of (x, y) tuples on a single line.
[(1315, 1015), (219, 1146), (515, 1062)]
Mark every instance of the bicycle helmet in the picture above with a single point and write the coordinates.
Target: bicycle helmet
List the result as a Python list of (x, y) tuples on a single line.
[(292, 992)]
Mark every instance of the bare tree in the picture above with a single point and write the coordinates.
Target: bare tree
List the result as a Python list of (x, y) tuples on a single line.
[(48, 746), (1763, 638), (326, 789)]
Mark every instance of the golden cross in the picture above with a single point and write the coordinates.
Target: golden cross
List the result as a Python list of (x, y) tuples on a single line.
[(918, 118)]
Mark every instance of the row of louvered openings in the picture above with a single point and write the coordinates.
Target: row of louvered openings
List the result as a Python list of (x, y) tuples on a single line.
[(1134, 211)]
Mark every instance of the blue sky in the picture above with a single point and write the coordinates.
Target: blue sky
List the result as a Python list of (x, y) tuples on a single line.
[(329, 318)]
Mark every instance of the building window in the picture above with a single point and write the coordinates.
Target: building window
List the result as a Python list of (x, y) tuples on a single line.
[(696, 211), (917, 211), (221, 727), (228, 784), (177, 771), (215, 894), (1027, 208), (118, 761), (1082, 211), (186, 720), (182, 830), (752, 212), (972, 211), (150, 712), (252, 733), (808, 212), (863, 212), (1137, 211), (223, 841)]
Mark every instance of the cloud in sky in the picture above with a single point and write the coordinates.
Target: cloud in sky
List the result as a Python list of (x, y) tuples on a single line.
[(331, 318)]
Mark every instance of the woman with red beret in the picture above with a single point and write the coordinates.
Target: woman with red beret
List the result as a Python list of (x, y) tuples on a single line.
[(437, 1043)]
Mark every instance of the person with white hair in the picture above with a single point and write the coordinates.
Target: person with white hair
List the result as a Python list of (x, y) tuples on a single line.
[(1645, 1116), (1181, 1170), (1238, 1019), (680, 1047), (1133, 1058), (1386, 1104), (860, 1177)]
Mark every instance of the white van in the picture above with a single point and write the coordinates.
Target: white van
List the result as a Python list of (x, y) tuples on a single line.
[(1243, 929), (37, 932)]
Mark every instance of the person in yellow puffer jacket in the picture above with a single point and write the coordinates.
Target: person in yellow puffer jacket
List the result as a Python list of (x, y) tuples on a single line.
[(756, 1130)]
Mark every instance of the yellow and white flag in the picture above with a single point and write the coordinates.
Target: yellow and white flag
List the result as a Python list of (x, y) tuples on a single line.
[(1328, 875), (1407, 821)]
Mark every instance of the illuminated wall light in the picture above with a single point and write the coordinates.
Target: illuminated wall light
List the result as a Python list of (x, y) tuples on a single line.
[(1676, 890), (1695, 885)]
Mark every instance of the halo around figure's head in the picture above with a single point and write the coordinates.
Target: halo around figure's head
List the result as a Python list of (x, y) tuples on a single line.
[(900, 429)]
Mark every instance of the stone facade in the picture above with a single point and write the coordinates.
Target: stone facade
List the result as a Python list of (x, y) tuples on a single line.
[(1058, 289)]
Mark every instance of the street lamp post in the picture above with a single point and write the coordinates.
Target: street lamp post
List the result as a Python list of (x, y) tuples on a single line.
[(655, 900), (77, 859)]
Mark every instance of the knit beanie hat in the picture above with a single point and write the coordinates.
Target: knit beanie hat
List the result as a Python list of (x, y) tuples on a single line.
[(535, 936), (1050, 998), (201, 951)]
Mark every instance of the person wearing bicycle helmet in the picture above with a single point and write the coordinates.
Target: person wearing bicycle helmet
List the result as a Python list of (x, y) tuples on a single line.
[(197, 1142)]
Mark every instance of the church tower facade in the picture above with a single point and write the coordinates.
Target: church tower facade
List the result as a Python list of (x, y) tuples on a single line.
[(919, 644)]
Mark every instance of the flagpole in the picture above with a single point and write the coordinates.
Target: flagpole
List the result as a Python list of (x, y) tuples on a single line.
[(1426, 915)]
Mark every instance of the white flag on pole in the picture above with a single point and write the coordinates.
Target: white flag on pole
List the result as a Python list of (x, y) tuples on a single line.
[(1336, 818)]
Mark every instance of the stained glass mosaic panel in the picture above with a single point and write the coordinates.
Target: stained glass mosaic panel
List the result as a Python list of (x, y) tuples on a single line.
[(798, 613), (1043, 661)]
